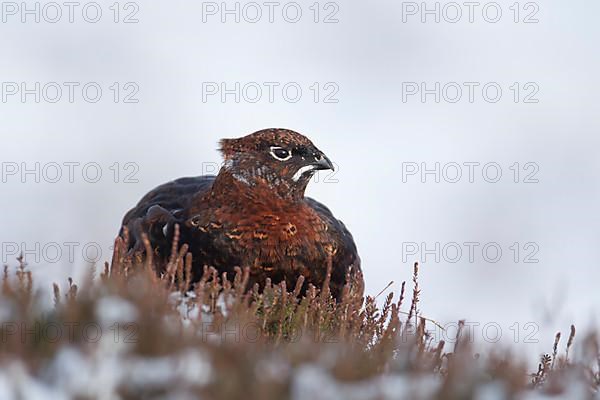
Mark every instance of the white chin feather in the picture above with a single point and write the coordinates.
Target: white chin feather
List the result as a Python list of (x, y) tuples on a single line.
[(302, 171)]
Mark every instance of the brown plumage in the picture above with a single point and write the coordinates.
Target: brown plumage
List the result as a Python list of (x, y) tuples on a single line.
[(252, 214)]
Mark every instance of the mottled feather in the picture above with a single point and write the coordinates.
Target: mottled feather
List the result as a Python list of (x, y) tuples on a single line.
[(252, 214)]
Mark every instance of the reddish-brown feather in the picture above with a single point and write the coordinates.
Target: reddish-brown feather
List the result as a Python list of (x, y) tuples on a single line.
[(251, 215)]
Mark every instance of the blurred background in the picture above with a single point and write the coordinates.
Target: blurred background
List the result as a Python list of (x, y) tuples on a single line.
[(466, 137)]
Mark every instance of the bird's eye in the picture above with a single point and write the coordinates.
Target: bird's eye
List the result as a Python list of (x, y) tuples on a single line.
[(280, 153)]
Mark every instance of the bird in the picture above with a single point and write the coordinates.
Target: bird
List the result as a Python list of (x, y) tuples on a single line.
[(254, 214)]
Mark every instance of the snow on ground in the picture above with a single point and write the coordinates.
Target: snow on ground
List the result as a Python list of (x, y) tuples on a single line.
[(103, 375), (110, 369)]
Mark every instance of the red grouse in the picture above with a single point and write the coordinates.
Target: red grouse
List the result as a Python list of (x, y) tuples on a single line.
[(252, 214)]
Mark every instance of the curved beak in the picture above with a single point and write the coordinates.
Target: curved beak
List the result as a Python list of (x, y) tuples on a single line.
[(322, 162)]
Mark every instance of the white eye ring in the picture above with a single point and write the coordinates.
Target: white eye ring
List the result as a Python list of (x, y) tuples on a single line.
[(274, 148)]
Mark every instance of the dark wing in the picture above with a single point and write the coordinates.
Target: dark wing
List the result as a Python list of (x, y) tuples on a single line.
[(346, 259), (158, 211)]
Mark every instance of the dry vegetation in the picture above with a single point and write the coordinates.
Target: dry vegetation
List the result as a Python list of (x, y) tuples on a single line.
[(223, 340)]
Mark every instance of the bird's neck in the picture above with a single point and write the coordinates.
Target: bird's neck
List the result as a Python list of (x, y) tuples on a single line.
[(257, 187)]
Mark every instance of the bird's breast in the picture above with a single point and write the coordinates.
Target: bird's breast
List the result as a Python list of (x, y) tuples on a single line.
[(298, 236)]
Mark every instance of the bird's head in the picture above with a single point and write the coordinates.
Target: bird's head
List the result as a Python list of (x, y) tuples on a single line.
[(280, 159)]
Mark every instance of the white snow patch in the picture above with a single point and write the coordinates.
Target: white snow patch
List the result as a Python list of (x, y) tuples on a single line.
[(113, 309), (312, 382)]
